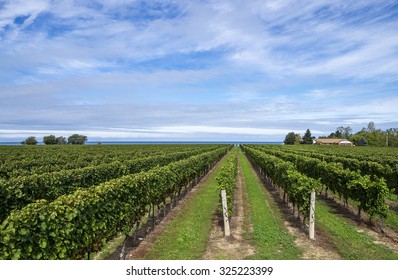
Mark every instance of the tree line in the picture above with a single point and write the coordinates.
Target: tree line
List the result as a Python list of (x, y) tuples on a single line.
[(367, 136), (75, 139)]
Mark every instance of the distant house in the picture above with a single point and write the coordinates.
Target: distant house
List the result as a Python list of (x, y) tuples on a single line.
[(333, 141)]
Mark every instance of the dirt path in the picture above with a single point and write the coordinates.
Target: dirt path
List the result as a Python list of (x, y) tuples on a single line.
[(318, 249), (234, 247), (140, 251)]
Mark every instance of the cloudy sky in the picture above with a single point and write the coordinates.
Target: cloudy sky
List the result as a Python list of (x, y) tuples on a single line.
[(196, 70)]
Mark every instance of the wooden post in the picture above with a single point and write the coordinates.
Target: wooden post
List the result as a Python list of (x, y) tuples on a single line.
[(312, 216), (381, 223), (225, 212)]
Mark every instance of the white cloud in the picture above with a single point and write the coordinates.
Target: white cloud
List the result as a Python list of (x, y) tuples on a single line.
[(15, 8), (181, 132), (198, 68), (306, 44)]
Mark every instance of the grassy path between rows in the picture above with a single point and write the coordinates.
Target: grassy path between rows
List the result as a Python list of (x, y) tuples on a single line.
[(186, 236), (269, 235), (351, 243)]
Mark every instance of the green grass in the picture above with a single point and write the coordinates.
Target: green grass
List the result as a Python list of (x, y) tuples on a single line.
[(393, 197), (109, 247), (349, 242), (270, 237), (186, 236), (392, 219)]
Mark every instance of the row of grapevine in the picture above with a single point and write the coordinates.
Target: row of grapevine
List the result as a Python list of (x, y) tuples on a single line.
[(382, 168), (297, 186), (79, 223), (376, 154), (17, 192), (226, 178), (368, 192), (24, 161)]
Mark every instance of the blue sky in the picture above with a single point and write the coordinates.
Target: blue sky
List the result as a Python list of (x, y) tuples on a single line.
[(196, 70)]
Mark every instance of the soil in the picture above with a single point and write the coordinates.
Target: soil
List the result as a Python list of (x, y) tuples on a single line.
[(318, 249), (234, 247)]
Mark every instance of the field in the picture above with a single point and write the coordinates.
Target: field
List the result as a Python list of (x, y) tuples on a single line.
[(101, 201)]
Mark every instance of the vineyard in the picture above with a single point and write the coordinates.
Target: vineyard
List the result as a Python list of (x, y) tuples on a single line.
[(71, 202), (51, 213)]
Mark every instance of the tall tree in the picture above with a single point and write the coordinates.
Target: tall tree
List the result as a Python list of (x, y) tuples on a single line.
[(307, 138), (371, 127), (344, 132)]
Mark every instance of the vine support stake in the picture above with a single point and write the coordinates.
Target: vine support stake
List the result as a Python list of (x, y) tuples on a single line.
[(225, 213), (381, 223), (312, 216)]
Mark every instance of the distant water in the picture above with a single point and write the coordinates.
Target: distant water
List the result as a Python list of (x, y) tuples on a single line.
[(180, 142), (10, 144), (156, 142)]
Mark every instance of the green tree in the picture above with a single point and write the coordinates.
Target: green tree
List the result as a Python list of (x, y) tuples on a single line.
[(31, 140), (50, 140), (77, 139), (338, 134), (362, 141), (291, 139), (376, 138), (373, 136), (371, 127), (392, 137), (299, 140), (307, 138), (61, 140)]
